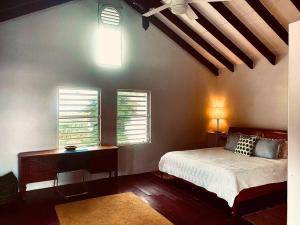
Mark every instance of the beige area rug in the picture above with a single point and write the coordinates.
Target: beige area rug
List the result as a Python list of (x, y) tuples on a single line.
[(272, 216), (125, 208)]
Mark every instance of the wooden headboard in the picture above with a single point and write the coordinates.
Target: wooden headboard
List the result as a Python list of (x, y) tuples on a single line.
[(267, 133)]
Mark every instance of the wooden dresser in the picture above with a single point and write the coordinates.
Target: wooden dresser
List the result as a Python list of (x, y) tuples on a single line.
[(44, 165)]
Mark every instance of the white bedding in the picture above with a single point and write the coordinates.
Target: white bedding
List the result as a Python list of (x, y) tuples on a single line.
[(223, 172)]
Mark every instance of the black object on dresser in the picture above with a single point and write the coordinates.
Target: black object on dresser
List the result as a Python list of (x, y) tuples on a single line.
[(8, 188)]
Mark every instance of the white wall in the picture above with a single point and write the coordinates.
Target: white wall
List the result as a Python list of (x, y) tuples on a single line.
[(56, 47), (294, 126), (258, 97)]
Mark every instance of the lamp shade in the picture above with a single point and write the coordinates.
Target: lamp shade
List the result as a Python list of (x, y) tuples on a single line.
[(218, 113)]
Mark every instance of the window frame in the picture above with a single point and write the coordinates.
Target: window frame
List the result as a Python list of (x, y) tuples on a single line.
[(149, 116), (99, 110), (118, 27)]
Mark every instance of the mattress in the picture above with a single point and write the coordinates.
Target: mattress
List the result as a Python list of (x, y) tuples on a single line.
[(223, 172)]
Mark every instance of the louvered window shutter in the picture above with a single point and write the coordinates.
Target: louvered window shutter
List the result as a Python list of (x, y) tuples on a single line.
[(133, 122), (110, 16), (78, 117)]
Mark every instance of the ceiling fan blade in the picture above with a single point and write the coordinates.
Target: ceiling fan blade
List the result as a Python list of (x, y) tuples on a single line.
[(157, 10), (191, 14)]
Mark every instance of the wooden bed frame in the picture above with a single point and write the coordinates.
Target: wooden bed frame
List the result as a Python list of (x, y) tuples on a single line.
[(259, 191)]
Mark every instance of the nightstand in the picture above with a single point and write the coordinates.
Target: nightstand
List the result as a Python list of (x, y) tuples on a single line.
[(216, 139)]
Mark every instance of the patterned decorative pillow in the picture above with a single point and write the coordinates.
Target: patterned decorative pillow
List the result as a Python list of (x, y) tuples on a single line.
[(245, 145)]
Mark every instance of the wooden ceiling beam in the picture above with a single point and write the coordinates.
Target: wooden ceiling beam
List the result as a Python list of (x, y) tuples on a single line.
[(264, 13), (231, 18), (198, 39), (184, 45), (13, 10), (192, 34), (223, 39), (296, 3), (173, 36)]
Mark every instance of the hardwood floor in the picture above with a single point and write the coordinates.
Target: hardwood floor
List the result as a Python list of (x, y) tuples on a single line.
[(178, 201), (271, 216)]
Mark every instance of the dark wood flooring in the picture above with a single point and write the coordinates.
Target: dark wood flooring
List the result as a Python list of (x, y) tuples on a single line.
[(178, 201), (276, 215)]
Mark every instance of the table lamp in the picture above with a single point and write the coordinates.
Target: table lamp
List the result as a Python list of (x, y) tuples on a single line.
[(218, 113)]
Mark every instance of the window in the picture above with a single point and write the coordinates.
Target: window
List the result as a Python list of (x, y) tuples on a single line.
[(78, 117), (133, 122), (110, 52)]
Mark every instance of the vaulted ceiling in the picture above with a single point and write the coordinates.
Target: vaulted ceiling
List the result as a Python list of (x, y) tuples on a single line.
[(230, 33), (224, 35)]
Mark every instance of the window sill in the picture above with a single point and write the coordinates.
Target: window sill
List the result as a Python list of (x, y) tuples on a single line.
[(131, 144)]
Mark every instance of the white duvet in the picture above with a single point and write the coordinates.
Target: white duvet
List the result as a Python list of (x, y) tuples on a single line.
[(223, 172)]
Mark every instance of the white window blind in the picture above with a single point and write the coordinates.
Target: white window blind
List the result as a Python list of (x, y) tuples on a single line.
[(133, 122), (78, 117)]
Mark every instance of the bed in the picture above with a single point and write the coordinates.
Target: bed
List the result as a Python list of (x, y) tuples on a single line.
[(232, 177)]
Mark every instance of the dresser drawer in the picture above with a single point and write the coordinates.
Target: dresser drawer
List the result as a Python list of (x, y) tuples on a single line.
[(36, 169), (103, 161)]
